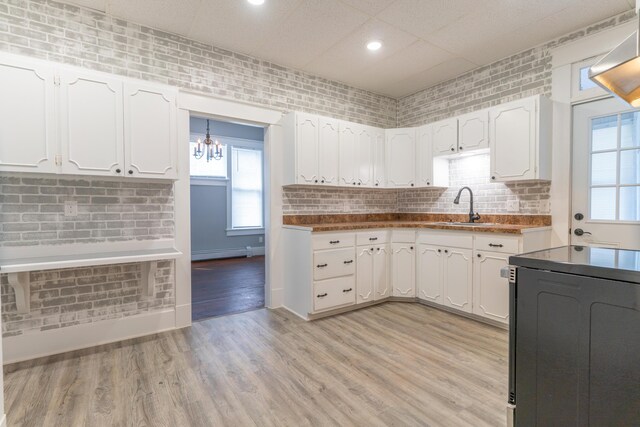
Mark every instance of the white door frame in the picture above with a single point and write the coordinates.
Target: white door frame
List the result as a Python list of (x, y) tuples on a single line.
[(561, 83), (189, 104)]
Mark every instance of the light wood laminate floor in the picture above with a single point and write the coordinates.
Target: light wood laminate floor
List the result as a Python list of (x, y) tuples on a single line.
[(395, 364)]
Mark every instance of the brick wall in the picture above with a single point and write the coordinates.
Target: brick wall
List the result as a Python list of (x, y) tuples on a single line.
[(67, 297), (32, 209), (306, 200)]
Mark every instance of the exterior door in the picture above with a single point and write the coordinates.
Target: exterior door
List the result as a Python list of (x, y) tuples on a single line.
[(606, 175)]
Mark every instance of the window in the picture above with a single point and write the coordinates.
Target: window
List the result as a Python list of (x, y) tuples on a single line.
[(582, 87), (200, 168), (614, 187), (246, 188)]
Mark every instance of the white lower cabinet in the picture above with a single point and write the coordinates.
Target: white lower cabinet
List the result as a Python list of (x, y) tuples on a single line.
[(491, 292), (458, 278), (430, 282), (334, 293), (403, 269), (372, 274), (381, 285)]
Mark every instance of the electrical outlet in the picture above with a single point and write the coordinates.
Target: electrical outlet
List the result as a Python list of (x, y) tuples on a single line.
[(544, 206), (71, 208), (513, 206)]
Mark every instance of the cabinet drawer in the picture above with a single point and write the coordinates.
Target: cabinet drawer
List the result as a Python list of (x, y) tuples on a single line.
[(334, 293), (449, 239), (373, 237), (333, 240), (334, 263), (509, 245)]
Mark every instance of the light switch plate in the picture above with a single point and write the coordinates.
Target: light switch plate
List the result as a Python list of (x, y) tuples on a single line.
[(513, 206), (71, 208)]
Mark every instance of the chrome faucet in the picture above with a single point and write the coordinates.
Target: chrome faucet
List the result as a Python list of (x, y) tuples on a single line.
[(472, 216)]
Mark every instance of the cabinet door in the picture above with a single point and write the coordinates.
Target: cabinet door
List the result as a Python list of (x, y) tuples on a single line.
[(364, 274), (430, 279), (381, 286), (91, 124), (27, 131), (348, 153), (379, 168), (400, 149), (403, 270), (473, 131), (364, 154), (328, 151), (512, 136), (150, 131), (424, 156), (307, 137), (490, 291), (445, 137), (458, 273)]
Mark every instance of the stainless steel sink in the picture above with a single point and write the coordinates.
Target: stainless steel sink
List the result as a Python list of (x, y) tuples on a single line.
[(469, 224)]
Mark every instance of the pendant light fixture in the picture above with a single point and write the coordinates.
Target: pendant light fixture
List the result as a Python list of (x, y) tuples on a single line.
[(212, 149)]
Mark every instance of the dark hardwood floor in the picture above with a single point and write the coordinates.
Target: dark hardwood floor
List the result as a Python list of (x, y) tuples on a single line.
[(226, 286)]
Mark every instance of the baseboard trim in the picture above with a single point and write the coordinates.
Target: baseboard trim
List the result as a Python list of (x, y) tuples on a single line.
[(183, 316), (277, 298), (463, 314), (227, 253), (55, 341)]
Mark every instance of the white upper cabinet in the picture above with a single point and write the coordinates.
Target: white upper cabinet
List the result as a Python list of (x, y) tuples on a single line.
[(348, 153), (424, 156), (445, 137), (520, 140), (306, 148), (91, 124), (401, 149), (328, 151), (27, 131), (379, 168), (365, 156), (150, 131), (473, 131)]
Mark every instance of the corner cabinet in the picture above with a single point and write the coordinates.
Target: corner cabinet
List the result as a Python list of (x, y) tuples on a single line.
[(520, 140), (400, 155), (28, 140)]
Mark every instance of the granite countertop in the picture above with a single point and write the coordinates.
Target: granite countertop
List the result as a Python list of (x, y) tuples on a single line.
[(509, 224)]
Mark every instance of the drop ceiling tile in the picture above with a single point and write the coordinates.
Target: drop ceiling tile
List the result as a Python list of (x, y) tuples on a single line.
[(424, 17), (371, 7), (431, 77), (350, 54), (167, 15), (310, 30), (239, 26)]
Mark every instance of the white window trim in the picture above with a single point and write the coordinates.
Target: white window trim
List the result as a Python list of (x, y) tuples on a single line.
[(211, 181), (578, 95), (245, 231)]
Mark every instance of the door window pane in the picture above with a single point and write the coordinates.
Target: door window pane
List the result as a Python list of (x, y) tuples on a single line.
[(629, 130), (630, 167), (604, 133), (603, 203), (630, 203), (246, 188), (604, 168)]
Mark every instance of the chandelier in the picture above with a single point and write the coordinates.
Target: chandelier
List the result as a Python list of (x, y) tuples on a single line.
[(212, 149)]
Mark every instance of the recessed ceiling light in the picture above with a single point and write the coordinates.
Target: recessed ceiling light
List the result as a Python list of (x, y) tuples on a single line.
[(256, 2), (374, 45)]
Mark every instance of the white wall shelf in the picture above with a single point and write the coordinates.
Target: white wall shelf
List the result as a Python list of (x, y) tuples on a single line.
[(17, 269)]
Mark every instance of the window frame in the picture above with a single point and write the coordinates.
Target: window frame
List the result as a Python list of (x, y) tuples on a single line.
[(578, 95)]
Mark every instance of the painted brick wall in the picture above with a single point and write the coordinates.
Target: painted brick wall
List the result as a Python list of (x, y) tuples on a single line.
[(78, 36), (67, 297), (31, 210), (524, 74), (306, 200)]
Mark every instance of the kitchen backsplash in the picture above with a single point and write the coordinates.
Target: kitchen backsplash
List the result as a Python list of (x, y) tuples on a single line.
[(88, 38), (472, 171), (68, 297), (32, 211)]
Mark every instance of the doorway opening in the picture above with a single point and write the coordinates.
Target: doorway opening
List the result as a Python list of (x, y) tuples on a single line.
[(227, 217)]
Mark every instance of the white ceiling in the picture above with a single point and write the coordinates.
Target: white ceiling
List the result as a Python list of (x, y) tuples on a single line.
[(425, 41)]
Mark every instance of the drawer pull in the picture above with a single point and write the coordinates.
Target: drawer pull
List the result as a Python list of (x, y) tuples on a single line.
[(334, 242), (321, 265), (348, 262), (322, 295), (373, 239), (347, 290), (493, 245)]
